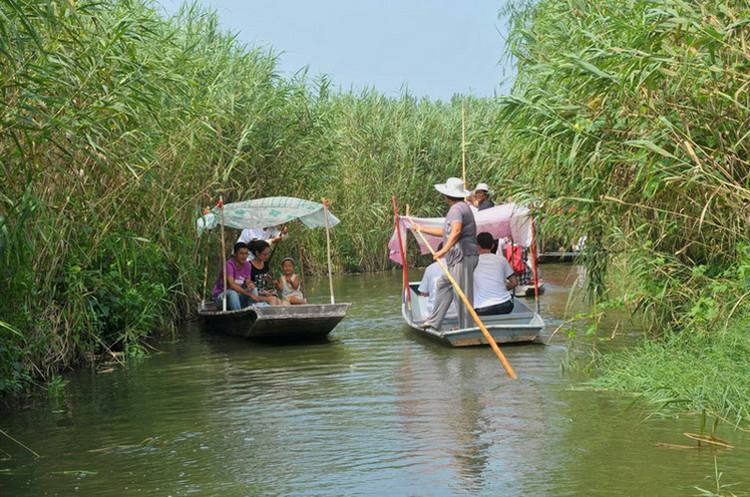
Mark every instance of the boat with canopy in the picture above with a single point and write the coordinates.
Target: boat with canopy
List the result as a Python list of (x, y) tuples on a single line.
[(523, 324), (294, 322)]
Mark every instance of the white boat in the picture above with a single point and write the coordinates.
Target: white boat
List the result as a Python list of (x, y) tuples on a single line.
[(520, 325), (508, 221)]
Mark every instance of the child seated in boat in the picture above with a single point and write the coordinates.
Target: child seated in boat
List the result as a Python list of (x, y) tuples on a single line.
[(289, 285)]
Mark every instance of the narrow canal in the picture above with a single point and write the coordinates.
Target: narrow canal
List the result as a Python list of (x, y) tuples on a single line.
[(374, 411)]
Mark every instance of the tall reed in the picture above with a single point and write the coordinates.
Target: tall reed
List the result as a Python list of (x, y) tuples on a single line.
[(119, 125), (630, 119)]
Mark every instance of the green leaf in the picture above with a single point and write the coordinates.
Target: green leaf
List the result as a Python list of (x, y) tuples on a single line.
[(647, 144)]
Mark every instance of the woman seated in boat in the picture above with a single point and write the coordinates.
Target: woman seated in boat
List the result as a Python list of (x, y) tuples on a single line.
[(240, 291), (289, 284), (259, 272), (493, 280)]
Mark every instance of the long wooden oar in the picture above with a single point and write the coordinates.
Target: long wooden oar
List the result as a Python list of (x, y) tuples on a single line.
[(474, 315)]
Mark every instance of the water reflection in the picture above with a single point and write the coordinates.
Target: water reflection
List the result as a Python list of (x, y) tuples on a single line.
[(375, 411)]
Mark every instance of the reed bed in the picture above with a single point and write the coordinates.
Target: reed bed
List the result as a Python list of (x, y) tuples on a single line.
[(119, 125), (630, 119)]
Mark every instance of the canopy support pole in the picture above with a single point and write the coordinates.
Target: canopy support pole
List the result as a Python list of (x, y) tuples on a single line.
[(506, 365), (533, 265), (404, 267), (205, 263), (223, 255), (328, 249), (302, 268)]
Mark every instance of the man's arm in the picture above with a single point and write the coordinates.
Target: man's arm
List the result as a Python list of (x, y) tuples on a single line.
[(232, 285), (456, 227), (428, 231)]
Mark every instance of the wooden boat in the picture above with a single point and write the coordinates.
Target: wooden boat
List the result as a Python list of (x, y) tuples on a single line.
[(549, 257), (528, 290), (521, 325), (296, 322)]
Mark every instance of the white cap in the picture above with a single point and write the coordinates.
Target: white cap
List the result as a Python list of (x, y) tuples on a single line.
[(484, 187)]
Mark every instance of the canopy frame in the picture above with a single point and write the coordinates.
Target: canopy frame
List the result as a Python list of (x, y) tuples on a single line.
[(264, 213)]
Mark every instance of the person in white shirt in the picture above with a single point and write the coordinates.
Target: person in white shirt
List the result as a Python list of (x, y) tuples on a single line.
[(272, 235), (493, 280)]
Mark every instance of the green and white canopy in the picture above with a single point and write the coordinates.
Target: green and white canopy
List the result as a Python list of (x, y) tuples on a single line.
[(267, 212)]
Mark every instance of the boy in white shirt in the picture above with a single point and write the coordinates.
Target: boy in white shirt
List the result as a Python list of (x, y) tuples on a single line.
[(429, 283), (493, 280)]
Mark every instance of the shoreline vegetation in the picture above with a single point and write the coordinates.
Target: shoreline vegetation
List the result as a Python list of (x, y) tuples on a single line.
[(630, 119), (120, 125), (627, 123)]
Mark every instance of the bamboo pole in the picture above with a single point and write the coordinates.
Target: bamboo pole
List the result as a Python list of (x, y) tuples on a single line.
[(328, 248), (463, 142), (302, 268), (533, 266), (223, 255), (506, 365), (404, 267), (205, 261), (205, 275)]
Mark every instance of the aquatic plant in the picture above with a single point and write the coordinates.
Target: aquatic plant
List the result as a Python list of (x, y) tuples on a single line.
[(630, 120)]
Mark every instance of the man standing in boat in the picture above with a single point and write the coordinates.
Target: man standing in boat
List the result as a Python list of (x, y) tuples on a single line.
[(459, 253)]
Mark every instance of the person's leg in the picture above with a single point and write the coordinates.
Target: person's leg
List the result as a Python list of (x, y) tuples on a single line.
[(493, 310), (274, 300), (443, 299), (233, 301), (463, 272), (245, 301)]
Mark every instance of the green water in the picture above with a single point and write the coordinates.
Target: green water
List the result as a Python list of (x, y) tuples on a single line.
[(374, 411)]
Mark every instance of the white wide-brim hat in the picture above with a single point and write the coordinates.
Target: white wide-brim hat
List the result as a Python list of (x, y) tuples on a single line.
[(454, 188), (484, 187)]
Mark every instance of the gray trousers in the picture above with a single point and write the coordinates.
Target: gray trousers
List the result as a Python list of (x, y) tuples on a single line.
[(463, 273)]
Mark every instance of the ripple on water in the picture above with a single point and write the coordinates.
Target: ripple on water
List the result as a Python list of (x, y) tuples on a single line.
[(374, 411)]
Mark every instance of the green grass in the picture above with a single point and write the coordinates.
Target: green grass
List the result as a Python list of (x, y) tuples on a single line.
[(701, 372)]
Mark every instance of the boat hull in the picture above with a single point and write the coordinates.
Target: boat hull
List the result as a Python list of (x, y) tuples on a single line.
[(528, 290), (550, 257), (520, 326), (298, 322)]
